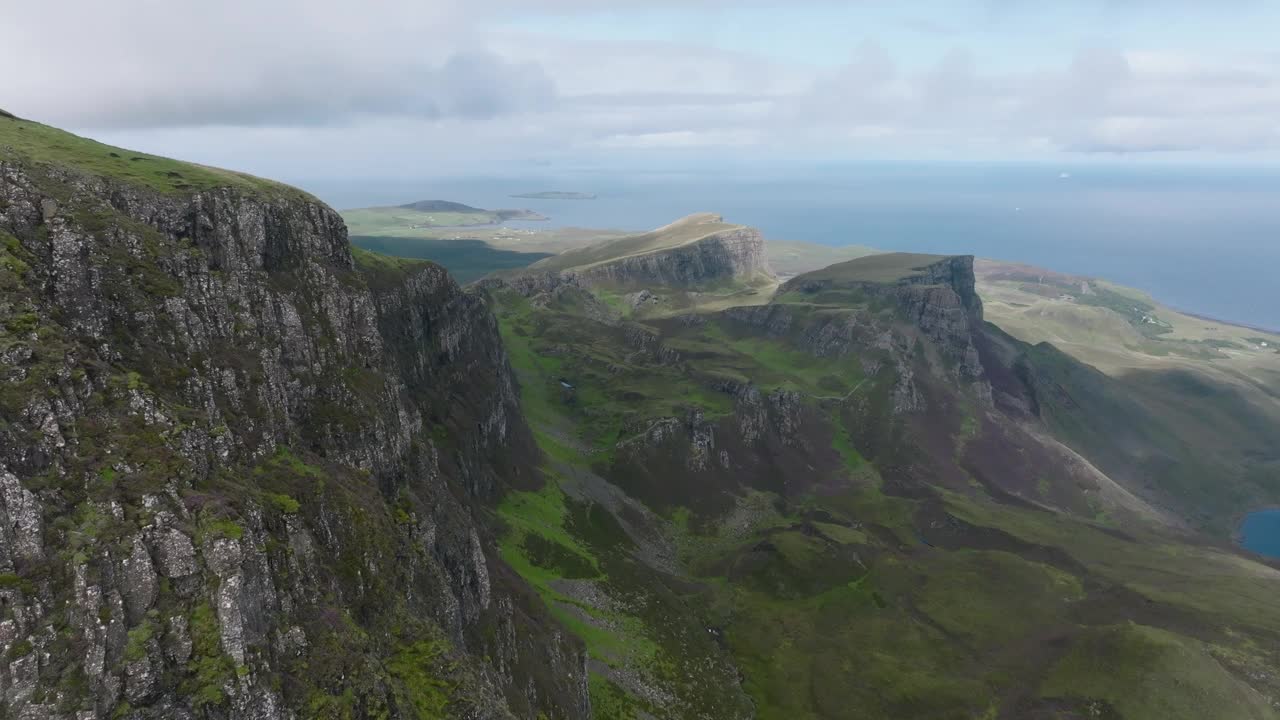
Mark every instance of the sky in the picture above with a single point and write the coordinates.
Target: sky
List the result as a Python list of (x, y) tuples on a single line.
[(439, 88)]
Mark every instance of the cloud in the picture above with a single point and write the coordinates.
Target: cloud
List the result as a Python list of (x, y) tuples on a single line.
[(1109, 101), (293, 91), (928, 26), (137, 63), (481, 84), (401, 85), (1102, 100), (470, 84), (682, 139)]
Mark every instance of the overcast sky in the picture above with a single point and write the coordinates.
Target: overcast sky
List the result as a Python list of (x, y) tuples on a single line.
[(405, 88)]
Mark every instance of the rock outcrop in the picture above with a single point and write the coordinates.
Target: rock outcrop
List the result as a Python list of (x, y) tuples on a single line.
[(700, 250), (938, 297), (721, 256), (243, 475)]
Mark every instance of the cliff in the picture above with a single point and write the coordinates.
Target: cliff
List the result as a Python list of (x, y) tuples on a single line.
[(697, 250), (243, 473), (763, 503), (934, 294), (909, 278)]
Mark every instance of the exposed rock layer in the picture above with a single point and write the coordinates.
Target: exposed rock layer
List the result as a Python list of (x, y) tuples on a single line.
[(698, 251), (241, 475), (722, 256)]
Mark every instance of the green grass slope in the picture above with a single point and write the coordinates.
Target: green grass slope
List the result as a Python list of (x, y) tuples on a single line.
[(856, 568), (466, 260), (683, 232), (1201, 447), (1141, 671), (881, 268), (44, 146), (1119, 329), (1184, 410)]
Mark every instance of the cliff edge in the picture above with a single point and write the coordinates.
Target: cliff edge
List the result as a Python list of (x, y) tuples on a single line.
[(244, 473), (695, 250)]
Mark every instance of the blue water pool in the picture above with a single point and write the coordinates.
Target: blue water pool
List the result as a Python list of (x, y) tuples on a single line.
[(1260, 532)]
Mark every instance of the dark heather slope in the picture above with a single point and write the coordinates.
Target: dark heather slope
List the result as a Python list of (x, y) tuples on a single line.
[(242, 473)]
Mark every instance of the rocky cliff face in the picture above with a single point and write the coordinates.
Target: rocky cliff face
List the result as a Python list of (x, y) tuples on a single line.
[(938, 299), (699, 252), (952, 273), (729, 255), (243, 475)]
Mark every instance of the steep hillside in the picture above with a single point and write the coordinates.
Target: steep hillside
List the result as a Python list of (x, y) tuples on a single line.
[(1196, 400), (249, 472), (856, 498), (697, 263), (1119, 329), (1184, 411), (699, 249), (244, 473)]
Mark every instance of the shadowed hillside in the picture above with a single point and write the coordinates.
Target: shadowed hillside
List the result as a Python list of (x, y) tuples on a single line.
[(246, 471), (866, 501)]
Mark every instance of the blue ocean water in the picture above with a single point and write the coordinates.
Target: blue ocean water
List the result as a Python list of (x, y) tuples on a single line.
[(1205, 240), (1260, 533)]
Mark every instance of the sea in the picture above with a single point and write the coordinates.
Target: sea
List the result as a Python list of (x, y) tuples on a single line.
[(1201, 239)]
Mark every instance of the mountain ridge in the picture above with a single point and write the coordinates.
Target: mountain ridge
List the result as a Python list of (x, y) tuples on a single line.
[(245, 472), (769, 441), (700, 248)]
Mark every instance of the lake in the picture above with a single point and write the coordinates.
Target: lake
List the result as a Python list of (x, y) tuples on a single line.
[(1260, 532), (1206, 240)]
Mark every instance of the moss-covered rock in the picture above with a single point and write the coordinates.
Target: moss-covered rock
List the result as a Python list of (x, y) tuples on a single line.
[(242, 473)]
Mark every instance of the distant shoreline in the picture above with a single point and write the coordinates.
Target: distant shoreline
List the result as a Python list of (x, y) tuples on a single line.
[(1220, 321), (555, 195)]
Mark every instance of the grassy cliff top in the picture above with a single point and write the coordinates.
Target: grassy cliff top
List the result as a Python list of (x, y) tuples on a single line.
[(685, 231), (31, 142), (885, 268)]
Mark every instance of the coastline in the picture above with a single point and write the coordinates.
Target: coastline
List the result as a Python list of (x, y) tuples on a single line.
[(1220, 321)]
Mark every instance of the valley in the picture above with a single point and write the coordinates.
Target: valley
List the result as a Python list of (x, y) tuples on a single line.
[(809, 483), (251, 467), (1206, 384)]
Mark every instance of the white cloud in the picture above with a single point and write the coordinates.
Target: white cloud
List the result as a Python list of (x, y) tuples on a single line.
[(405, 86)]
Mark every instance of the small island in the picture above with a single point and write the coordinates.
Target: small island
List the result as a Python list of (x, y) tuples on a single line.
[(459, 215), (555, 195)]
